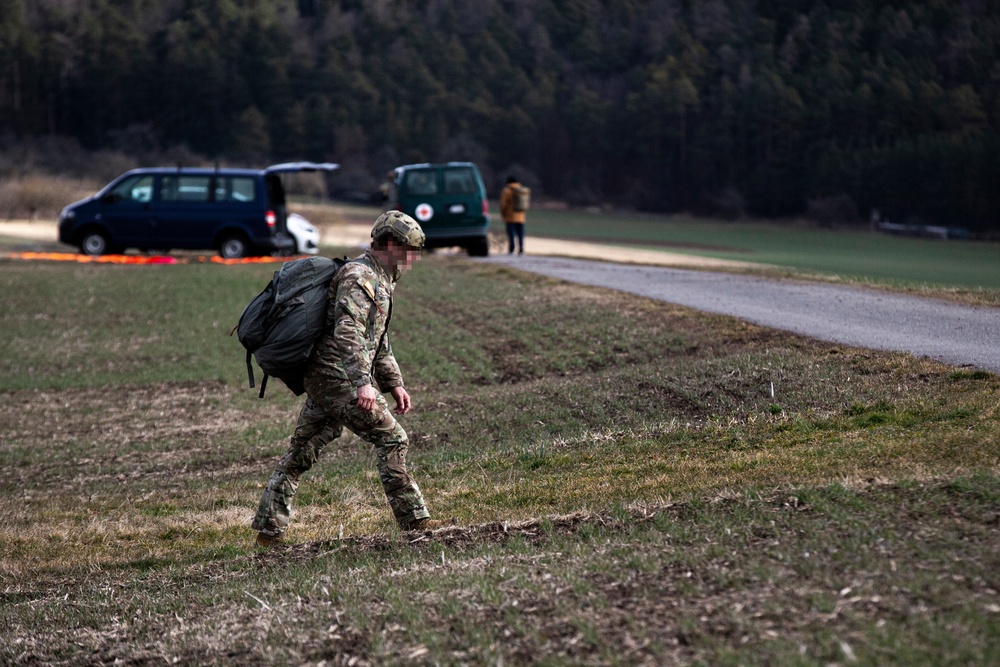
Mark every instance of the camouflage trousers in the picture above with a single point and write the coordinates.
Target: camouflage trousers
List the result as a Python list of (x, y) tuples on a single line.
[(327, 410)]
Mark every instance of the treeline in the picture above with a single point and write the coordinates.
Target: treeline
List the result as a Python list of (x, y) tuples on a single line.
[(727, 107)]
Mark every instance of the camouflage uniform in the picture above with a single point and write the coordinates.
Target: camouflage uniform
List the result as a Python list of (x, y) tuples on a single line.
[(351, 353)]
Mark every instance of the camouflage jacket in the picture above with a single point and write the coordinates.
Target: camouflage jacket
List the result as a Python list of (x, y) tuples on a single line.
[(356, 317)]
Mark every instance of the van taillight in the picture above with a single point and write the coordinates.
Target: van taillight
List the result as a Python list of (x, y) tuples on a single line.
[(486, 207), (271, 218)]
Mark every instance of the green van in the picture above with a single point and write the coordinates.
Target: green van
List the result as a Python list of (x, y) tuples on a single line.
[(449, 202)]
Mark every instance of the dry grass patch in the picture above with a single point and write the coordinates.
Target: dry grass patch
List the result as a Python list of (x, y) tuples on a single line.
[(627, 488), (808, 574), (37, 196)]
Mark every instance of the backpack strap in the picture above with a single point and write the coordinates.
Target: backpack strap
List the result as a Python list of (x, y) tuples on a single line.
[(381, 340), (263, 380), (250, 368)]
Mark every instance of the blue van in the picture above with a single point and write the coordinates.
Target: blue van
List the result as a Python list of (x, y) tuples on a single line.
[(449, 202), (238, 212)]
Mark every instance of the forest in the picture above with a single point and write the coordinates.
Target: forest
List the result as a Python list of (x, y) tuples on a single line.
[(728, 108)]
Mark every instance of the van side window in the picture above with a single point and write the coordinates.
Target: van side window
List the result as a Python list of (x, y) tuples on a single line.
[(420, 183), (459, 182), (234, 188), (184, 188), (137, 190)]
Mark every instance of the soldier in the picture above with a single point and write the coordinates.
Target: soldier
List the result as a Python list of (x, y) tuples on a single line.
[(353, 357), (385, 190)]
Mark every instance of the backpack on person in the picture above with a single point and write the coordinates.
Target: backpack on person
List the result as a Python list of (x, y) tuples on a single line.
[(522, 198), (280, 326)]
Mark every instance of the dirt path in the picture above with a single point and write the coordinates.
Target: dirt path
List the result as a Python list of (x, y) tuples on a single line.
[(34, 231), (359, 234)]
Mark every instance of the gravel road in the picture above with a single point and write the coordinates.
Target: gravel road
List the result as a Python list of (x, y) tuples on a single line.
[(955, 334)]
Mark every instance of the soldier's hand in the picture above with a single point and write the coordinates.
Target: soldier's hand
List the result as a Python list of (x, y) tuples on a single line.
[(402, 400), (366, 397)]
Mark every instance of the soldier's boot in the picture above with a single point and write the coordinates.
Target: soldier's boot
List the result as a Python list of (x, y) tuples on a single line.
[(429, 524), (266, 541)]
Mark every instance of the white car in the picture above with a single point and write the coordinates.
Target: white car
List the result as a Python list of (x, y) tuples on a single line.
[(305, 234)]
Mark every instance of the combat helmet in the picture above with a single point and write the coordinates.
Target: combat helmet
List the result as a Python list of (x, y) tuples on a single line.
[(403, 228)]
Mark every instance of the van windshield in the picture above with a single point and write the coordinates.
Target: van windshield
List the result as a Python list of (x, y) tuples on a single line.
[(138, 189)]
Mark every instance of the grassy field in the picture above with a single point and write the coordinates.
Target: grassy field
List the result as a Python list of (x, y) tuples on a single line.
[(852, 254), (633, 483)]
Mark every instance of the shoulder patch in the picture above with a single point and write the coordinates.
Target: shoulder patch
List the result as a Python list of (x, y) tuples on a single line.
[(368, 285)]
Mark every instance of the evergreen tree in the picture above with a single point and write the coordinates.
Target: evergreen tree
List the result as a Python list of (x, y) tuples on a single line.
[(713, 105)]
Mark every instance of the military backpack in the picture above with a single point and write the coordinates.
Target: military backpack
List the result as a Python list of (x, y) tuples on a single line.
[(522, 198), (280, 326)]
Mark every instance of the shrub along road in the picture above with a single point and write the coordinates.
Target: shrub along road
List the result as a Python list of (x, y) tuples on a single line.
[(948, 332)]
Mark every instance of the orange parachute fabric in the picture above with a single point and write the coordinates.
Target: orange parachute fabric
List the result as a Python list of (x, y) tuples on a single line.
[(134, 259)]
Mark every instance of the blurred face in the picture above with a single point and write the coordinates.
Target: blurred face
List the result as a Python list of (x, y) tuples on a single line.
[(402, 257)]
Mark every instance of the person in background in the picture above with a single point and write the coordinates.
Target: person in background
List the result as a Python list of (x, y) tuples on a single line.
[(513, 218), (385, 190)]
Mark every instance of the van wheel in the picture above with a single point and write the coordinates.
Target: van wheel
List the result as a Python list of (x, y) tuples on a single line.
[(233, 247), (479, 248), (94, 243)]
